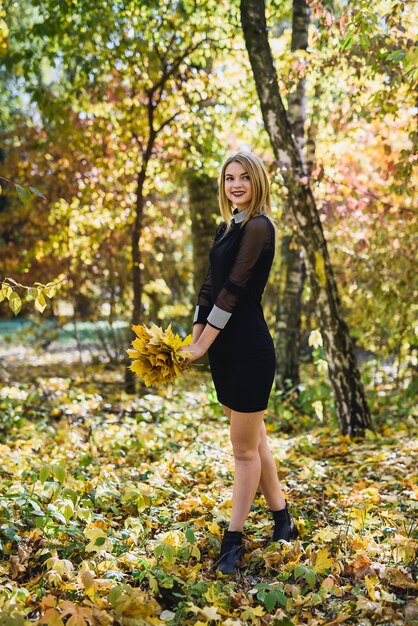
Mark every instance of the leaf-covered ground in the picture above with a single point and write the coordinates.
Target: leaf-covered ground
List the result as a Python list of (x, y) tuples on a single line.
[(112, 509)]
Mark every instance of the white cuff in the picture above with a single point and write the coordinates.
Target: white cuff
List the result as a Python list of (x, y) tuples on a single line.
[(196, 314), (218, 317)]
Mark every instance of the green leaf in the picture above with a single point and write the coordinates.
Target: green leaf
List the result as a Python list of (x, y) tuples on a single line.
[(37, 192), (114, 595), (23, 193), (15, 303), (270, 600), (68, 510), (307, 573), (347, 42), (398, 55), (190, 535), (169, 552), (159, 550), (32, 293), (44, 473), (280, 597), (100, 541), (59, 473), (195, 552)]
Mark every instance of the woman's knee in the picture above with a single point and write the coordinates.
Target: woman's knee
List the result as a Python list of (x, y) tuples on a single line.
[(243, 451)]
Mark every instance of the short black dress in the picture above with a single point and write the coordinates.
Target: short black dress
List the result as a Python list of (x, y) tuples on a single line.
[(242, 357)]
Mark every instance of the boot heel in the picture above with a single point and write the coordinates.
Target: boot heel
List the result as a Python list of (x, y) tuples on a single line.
[(294, 533), (284, 525)]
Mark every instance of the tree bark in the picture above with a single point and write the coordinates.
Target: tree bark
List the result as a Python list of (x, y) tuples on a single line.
[(350, 403), (203, 198), (137, 285), (296, 100), (288, 315), (292, 270)]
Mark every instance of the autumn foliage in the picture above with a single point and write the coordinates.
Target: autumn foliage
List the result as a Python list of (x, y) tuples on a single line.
[(112, 511), (155, 354)]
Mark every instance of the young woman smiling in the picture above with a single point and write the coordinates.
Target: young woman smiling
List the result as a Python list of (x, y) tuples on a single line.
[(229, 324)]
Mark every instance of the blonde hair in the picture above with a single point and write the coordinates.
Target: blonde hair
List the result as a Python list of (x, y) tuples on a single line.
[(260, 202)]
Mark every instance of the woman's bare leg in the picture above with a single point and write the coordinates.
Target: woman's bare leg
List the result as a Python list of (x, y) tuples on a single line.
[(245, 439), (269, 481)]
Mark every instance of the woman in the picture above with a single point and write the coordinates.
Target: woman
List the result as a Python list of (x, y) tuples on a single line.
[(230, 325)]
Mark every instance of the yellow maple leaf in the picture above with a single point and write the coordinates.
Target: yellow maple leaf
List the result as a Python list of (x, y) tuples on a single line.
[(371, 582), (214, 529), (211, 613), (323, 560)]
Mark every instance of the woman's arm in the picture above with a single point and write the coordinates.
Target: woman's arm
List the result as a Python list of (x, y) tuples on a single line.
[(201, 346), (197, 331)]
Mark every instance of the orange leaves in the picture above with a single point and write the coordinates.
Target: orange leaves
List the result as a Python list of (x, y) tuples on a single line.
[(156, 355)]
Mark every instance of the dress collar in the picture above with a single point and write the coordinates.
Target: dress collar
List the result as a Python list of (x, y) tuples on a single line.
[(239, 216)]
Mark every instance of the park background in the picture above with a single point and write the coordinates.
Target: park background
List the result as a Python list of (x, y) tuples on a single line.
[(115, 120)]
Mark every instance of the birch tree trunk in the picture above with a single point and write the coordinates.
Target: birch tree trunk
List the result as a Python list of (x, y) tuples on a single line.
[(292, 269), (350, 403)]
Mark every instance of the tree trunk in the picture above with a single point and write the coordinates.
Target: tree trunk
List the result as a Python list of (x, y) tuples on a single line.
[(288, 309), (296, 100), (310, 148), (350, 403), (130, 386), (288, 315), (203, 198)]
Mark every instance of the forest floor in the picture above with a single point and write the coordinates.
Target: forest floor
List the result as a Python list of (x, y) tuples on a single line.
[(112, 508)]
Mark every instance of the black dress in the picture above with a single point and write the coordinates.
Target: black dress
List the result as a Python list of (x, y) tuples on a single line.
[(242, 357)]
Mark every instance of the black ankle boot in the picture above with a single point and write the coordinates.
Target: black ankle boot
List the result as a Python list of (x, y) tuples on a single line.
[(231, 552), (284, 525)]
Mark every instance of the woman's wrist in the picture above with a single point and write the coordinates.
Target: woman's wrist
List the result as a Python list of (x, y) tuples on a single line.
[(197, 331), (207, 337)]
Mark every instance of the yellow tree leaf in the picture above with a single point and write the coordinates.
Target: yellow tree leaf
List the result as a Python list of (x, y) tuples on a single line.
[(323, 560), (211, 613), (98, 540), (15, 303), (40, 302)]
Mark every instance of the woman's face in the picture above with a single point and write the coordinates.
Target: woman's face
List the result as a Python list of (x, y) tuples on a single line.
[(238, 188)]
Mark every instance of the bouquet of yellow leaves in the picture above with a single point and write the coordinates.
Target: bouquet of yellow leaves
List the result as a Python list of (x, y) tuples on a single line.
[(156, 355)]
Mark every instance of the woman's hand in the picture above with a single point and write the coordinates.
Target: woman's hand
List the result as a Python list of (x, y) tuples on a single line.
[(196, 351)]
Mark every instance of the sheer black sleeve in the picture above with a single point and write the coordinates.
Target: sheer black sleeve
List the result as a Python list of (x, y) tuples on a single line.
[(257, 236), (204, 299)]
